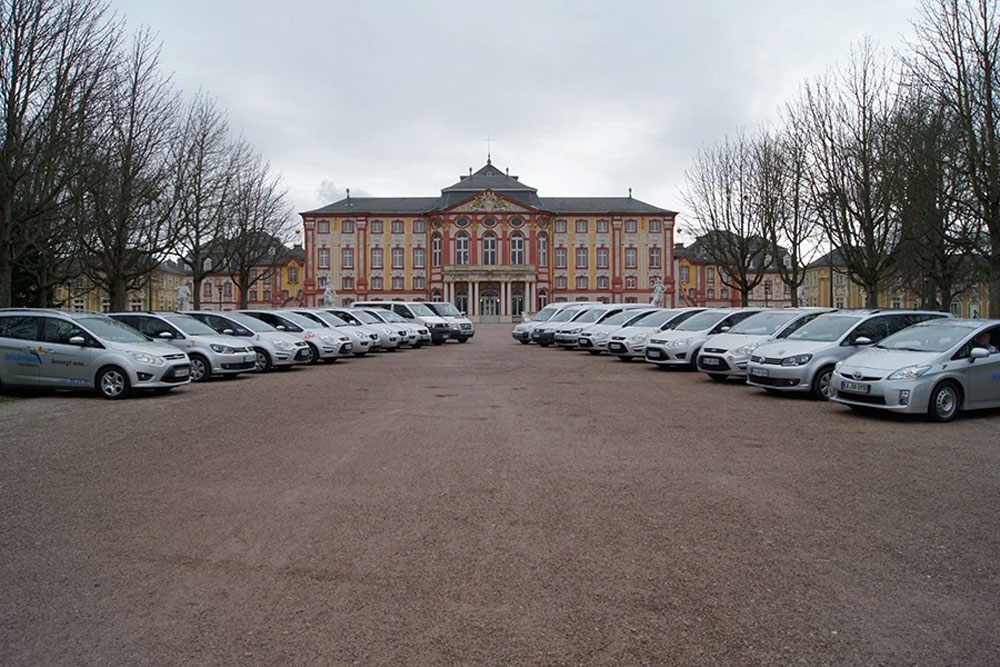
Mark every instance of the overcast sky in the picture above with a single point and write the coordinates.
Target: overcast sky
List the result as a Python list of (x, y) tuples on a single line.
[(580, 98)]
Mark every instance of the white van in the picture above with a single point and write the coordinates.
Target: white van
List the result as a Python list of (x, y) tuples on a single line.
[(414, 311), (522, 331)]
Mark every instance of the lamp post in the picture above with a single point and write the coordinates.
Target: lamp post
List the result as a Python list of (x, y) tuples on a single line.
[(219, 288)]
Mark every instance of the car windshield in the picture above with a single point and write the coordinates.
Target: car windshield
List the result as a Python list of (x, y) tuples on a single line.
[(387, 315), (106, 328), (764, 324), (348, 317), (366, 317), (564, 315), (544, 314), (446, 309), (328, 319), (826, 328), (624, 316), (190, 326), (421, 310), (703, 320), (591, 315), (301, 320), (927, 338), (251, 323)]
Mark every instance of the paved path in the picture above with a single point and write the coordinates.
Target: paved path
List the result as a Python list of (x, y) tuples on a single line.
[(492, 503)]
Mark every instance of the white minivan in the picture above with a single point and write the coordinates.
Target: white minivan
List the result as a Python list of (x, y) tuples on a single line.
[(53, 348), (414, 311)]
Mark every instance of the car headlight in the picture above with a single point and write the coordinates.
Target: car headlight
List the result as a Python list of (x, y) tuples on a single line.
[(908, 373), (636, 338), (326, 338), (680, 342), (745, 350), (145, 358), (388, 331), (281, 344), (222, 349), (797, 360)]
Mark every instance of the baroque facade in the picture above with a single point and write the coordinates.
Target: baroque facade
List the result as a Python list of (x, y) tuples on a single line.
[(490, 245)]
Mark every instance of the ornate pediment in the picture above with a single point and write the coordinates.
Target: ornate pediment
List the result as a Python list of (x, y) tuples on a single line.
[(489, 201)]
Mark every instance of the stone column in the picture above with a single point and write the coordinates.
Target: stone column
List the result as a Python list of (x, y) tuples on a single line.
[(474, 298)]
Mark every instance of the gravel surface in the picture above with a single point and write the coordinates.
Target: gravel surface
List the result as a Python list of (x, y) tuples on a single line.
[(497, 504)]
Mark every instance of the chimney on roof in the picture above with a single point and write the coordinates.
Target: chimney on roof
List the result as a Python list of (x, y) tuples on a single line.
[(348, 193), (470, 171), (630, 193), (508, 171)]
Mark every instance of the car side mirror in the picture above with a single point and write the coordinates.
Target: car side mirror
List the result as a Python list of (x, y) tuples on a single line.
[(862, 340), (280, 327), (723, 329), (77, 340), (165, 334), (229, 332), (974, 353)]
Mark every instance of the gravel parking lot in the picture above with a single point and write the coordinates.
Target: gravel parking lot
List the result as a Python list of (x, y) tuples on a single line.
[(493, 503)]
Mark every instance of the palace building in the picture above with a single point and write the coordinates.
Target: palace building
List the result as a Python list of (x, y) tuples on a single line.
[(490, 245)]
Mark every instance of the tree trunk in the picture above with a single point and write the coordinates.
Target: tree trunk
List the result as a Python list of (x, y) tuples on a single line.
[(118, 296)]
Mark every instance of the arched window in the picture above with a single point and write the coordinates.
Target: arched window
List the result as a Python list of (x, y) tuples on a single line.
[(436, 250), (462, 249), (543, 250), (517, 248), (490, 248)]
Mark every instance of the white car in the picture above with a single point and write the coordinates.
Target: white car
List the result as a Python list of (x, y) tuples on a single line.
[(41, 347), (804, 360), (274, 349), (387, 337), (595, 339), (568, 335), (326, 346), (545, 334), (415, 335), (362, 340), (461, 326), (522, 331), (679, 346), (630, 341), (417, 312), (938, 368), (727, 354)]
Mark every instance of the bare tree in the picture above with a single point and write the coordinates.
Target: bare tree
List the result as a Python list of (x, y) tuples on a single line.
[(259, 220), (54, 57), (726, 205), (855, 155), (127, 197), (957, 55), (205, 160)]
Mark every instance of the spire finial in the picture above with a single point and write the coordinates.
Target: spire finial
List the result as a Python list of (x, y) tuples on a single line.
[(348, 193)]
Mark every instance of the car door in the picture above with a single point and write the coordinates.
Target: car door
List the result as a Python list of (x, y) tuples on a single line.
[(154, 327), (984, 376), (66, 364), (874, 329), (20, 358)]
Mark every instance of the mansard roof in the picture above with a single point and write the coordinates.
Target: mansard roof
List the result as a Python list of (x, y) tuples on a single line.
[(491, 178)]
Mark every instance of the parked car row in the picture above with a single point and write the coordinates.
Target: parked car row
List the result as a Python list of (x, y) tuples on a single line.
[(119, 353), (908, 361)]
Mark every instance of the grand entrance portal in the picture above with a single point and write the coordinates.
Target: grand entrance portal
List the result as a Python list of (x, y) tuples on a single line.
[(489, 306)]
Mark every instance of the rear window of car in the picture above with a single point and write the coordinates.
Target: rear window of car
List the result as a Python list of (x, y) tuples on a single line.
[(20, 327)]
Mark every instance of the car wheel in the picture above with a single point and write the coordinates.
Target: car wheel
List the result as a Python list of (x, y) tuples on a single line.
[(524, 342), (263, 360), (944, 402), (821, 383), (463, 340), (417, 346), (112, 382), (360, 354), (200, 369)]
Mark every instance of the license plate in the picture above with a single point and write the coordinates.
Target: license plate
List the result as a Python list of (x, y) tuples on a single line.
[(616, 347), (180, 372), (653, 354), (710, 361), (759, 372), (856, 387)]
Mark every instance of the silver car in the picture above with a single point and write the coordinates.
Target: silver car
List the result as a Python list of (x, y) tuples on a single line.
[(362, 340), (274, 349), (568, 335), (936, 368), (727, 354), (804, 360), (629, 342), (52, 348), (679, 347), (386, 338), (415, 335), (522, 331), (595, 338), (324, 345), (212, 354)]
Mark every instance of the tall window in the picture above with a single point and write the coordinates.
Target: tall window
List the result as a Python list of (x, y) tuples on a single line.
[(602, 226), (560, 282), (207, 290), (462, 249), (655, 227), (602, 282), (347, 258), (376, 282), (543, 250), (516, 248), (293, 274), (397, 283), (560, 226), (397, 226), (397, 258), (490, 248), (631, 226), (631, 258), (602, 258), (323, 227), (560, 258), (436, 250), (654, 258), (376, 258), (419, 255), (581, 282), (581, 258), (324, 258), (347, 227), (686, 274), (418, 282), (581, 226), (419, 227), (377, 227), (347, 283)]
